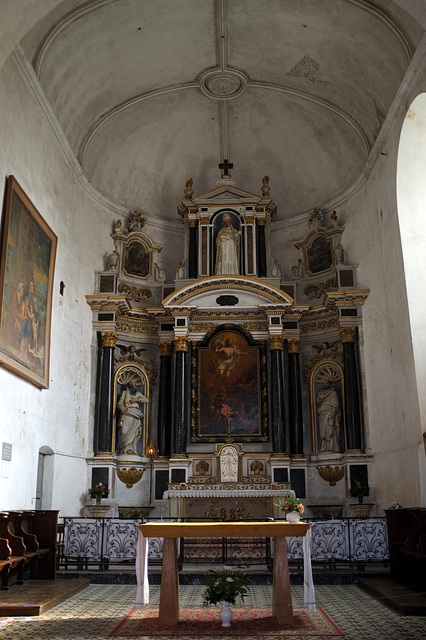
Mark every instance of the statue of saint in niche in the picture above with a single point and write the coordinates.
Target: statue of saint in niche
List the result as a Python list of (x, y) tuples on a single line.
[(130, 425), (328, 418), (227, 248)]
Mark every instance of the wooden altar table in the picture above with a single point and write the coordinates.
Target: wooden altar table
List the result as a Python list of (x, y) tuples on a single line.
[(282, 608)]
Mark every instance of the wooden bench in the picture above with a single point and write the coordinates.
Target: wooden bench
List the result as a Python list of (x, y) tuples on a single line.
[(29, 545), (12, 551), (5, 563)]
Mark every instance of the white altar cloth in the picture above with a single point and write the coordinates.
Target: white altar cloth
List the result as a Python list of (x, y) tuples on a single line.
[(142, 592)]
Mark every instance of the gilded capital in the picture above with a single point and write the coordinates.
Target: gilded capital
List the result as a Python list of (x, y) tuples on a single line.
[(108, 338), (192, 224), (293, 345), (181, 343), (165, 348), (275, 342), (347, 334), (204, 219), (249, 219), (261, 222)]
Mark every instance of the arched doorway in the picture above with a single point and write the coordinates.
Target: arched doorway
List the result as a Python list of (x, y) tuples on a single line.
[(44, 485)]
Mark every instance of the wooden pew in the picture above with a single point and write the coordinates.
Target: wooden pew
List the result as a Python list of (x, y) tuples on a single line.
[(43, 523), (28, 547), (5, 563), (16, 549)]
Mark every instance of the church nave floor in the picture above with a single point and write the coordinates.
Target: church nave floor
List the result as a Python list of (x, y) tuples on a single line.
[(94, 612)]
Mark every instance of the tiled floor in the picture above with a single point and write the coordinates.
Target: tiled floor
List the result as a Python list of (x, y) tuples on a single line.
[(94, 612)]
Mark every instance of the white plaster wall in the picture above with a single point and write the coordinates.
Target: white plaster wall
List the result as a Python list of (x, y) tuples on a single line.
[(411, 192), (372, 243), (60, 416)]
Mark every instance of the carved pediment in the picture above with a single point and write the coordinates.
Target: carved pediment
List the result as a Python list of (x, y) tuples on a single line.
[(237, 292)]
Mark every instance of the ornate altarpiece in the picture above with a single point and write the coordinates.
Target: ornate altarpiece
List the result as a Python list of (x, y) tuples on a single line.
[(231, 358)]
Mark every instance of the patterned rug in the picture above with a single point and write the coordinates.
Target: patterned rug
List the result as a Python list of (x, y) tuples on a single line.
[(204, 622)]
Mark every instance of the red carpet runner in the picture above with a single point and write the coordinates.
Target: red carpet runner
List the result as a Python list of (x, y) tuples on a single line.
[(204, 622)]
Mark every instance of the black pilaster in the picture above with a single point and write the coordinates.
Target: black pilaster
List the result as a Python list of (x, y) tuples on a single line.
[(103, 437), (277, 395)]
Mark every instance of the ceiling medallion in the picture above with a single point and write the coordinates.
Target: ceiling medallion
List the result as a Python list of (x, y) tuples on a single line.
[(223, 85)]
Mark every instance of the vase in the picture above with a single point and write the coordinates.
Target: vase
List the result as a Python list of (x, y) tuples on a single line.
[(98, 510), (292, 516), (98, 499), (360, 499), (225, 614), (362, 510)]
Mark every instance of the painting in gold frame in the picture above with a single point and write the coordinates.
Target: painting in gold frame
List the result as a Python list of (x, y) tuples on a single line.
[(227, 401), (26, 285)]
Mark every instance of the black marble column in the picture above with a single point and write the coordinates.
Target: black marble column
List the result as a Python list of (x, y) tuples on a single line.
[(295, 399), (352, 387), (261, 248), (180, 422), (277, 395), (164, 425), (192, 258), (103, 434)]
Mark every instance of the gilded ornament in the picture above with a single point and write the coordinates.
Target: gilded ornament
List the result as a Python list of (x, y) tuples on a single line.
[(275, 342), (293, 345), (165, 348), (202, 467), (108, 338), (204, 220), (257, 467), (129, 476), (249, 219), (347, 334), (261, 222), (137, 294), (181, 343), (330, 474), (192, 224)]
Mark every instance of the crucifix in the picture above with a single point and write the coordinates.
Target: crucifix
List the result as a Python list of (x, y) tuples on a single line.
[(225, 166)]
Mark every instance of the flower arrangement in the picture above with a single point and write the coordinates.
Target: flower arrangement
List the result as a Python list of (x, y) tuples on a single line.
[(290, 503), (99, 491), (359, 490), (226, 586)]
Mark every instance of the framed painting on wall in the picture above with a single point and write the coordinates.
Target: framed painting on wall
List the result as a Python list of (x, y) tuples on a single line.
[(227, 397), (26, 285)]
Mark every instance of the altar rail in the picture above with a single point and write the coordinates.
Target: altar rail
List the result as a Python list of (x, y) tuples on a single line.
[(105, 543)]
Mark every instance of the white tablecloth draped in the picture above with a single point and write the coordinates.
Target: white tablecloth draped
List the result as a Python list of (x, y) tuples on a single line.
[(142, 592)]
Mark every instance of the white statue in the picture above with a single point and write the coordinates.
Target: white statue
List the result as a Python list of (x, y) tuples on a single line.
[(227, 248), (329, 418), (130, 426)]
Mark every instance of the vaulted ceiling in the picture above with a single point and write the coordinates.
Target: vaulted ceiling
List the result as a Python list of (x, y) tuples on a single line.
[(150, 93)]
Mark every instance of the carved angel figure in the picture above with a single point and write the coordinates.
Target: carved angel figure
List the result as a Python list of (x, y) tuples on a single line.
[(325, 349), (130, 353)]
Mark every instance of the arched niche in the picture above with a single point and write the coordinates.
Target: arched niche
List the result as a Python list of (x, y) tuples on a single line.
[(327, 398), (131, 409)]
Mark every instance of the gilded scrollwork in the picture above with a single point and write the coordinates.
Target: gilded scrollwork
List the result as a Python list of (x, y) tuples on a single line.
[(315, 291), (144, 329), (138, 294)]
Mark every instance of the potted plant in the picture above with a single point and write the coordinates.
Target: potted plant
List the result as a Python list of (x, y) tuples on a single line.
[(292, 507), (359, 490), (99, 491), (225, 587)]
